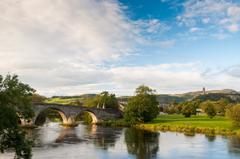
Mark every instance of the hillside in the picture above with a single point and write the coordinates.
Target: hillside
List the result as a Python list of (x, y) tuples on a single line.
[(164, 99), (70, 100), (192, 95)]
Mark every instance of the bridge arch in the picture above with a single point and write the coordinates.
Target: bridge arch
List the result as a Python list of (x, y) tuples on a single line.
[(91, 114), (41, 116)]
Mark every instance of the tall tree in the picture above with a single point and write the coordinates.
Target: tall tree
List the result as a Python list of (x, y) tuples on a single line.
[(15, 103), (143, 106), (103, 100)]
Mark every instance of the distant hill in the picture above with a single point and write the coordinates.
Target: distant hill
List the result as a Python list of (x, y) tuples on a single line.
[(229, 94), (192, 95), (233, 98), (164, 99)]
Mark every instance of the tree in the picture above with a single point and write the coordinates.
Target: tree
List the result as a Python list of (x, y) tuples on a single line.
[(103, 100), (143, 106), (189, 108), (209, 108), (234, 114), (221, 106), (15, 103)]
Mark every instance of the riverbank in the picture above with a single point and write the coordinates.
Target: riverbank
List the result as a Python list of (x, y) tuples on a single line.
[(195, 124)]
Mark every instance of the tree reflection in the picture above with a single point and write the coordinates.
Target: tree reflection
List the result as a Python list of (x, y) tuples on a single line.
[(103, 137), (143, 144), (234, 144), (211, 138)]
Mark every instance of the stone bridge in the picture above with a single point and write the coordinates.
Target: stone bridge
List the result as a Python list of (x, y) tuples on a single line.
[(69, 113)]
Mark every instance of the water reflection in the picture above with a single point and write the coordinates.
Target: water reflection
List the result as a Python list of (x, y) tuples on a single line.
[(102, 137), (69, 136), (210, 138), (143, 144), (91, 141), (234, 144)]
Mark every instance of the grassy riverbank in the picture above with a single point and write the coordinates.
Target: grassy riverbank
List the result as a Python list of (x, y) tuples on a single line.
[(195, 124)]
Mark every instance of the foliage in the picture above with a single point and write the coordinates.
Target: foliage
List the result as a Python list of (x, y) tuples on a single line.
[(233, 98), (221, 106), (103, 100), (209, 108), (142, 107), (85, 117), (234, 114), (189, 108), (36, 98), (15, 103)]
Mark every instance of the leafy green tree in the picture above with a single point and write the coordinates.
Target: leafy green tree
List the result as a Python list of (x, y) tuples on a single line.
[(221, 106), (15, 103), (103, 100), (209, 108), (143, 106), (234, 114), (189, 108)]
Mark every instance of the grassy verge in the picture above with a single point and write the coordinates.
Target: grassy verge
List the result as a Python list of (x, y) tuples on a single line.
[(195, 124)]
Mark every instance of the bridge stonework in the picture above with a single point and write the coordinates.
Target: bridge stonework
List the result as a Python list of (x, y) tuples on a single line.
[(69, 113)]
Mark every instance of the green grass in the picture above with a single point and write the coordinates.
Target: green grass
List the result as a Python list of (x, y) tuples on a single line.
[(64, 101), (194, 124), (196, 121)]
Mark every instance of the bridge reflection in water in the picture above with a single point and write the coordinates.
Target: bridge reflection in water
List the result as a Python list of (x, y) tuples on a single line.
[(138, 142)]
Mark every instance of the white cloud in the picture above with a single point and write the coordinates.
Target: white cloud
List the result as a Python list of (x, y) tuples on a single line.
[(45, 30), (62, 47), (65, 42), (152, 26), (195, 29), (216, 15)]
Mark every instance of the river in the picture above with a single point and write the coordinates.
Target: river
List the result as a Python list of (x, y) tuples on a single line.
[(52, 141)]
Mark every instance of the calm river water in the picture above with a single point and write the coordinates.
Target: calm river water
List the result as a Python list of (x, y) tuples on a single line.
[(95, 142)]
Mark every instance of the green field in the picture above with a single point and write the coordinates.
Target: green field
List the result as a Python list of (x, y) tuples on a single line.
[(65, 101), (196, 121), (61, 100), (194, 124)]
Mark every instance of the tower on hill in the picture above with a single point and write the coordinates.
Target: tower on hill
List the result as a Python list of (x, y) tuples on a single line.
[(204, 91)]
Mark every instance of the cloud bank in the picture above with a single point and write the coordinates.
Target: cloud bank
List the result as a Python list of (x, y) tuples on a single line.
[(71, 46)]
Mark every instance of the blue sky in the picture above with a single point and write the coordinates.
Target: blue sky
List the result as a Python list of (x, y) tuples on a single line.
[(211, 51), (71, 47)]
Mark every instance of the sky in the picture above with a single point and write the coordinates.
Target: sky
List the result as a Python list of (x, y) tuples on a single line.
[(72, 47)]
